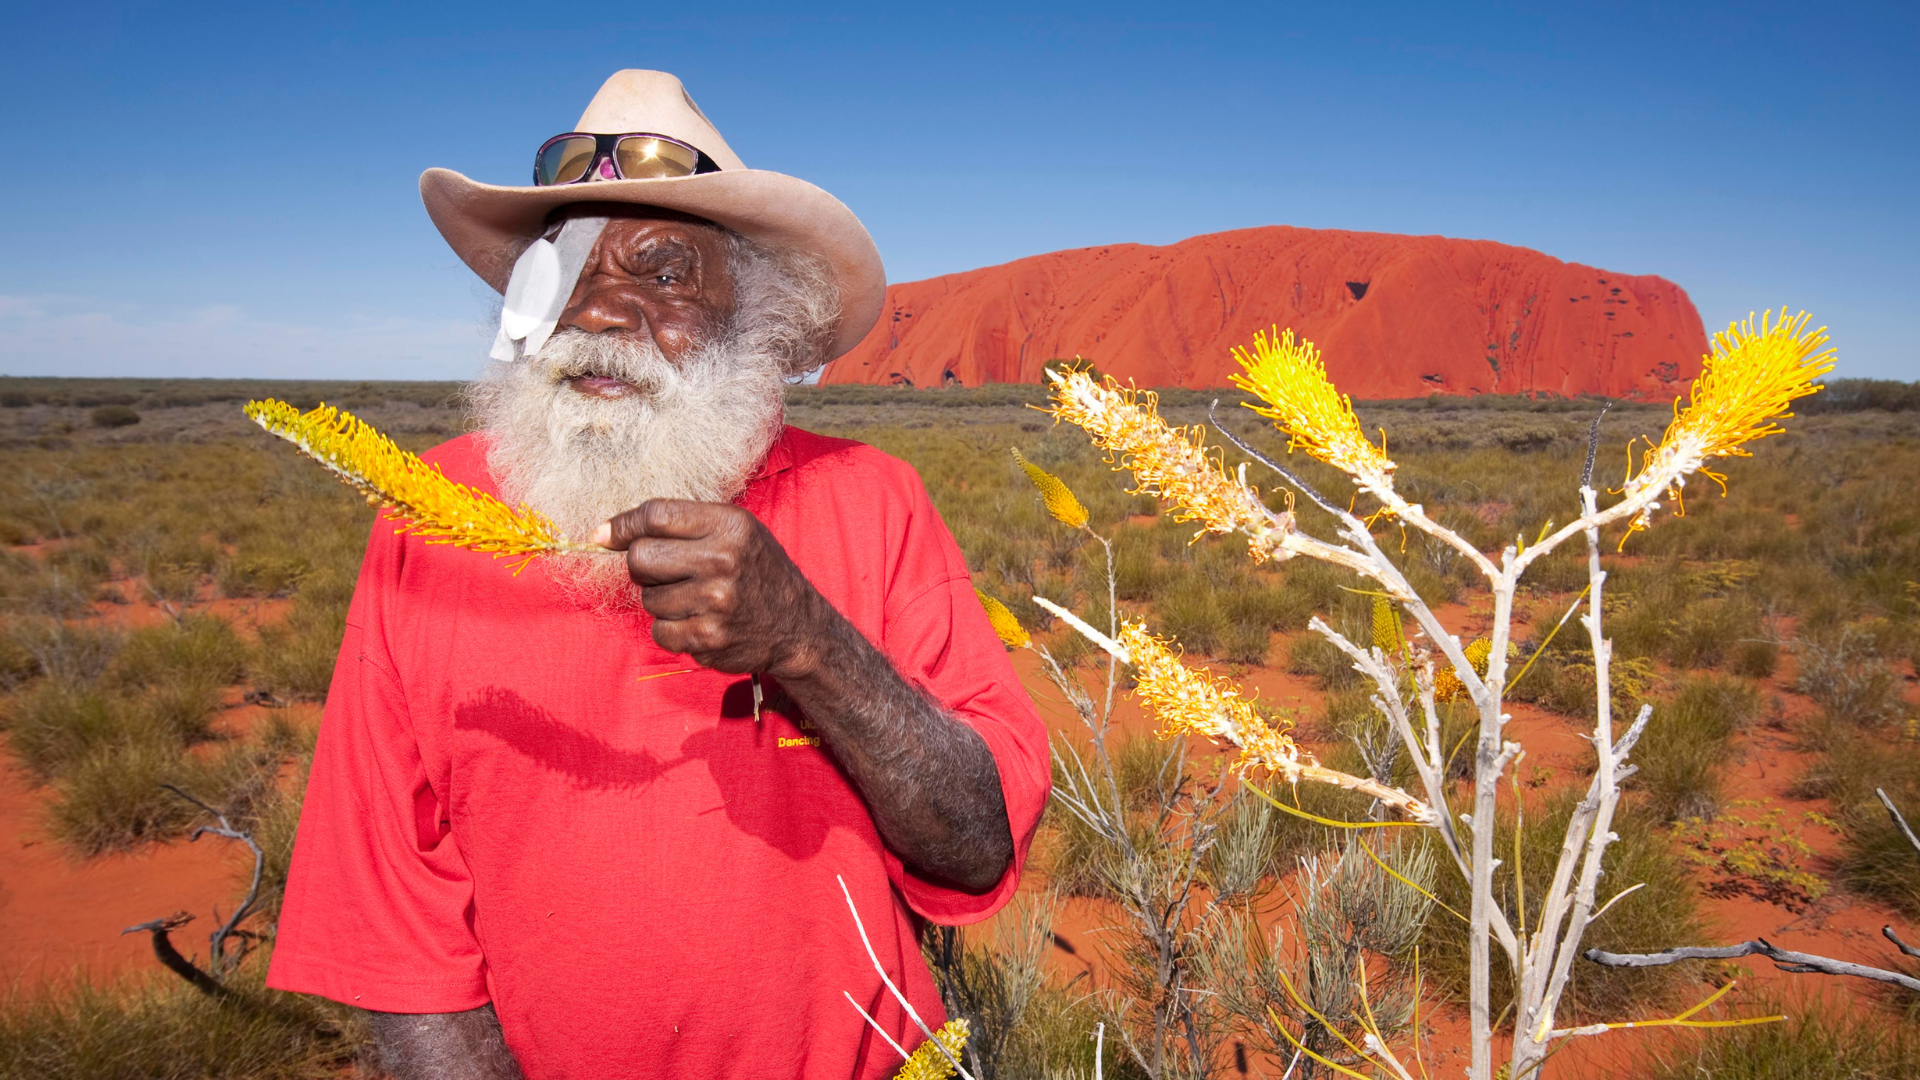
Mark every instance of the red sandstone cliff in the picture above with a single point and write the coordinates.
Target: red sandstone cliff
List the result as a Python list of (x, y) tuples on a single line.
[(1396, 316)]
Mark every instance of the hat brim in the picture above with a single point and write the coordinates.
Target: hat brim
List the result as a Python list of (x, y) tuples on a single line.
[(488, 226)]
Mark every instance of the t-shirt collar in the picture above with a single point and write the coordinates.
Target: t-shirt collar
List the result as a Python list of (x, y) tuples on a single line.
[(779, 456)]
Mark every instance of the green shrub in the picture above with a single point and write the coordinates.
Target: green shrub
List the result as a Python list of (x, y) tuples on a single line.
[(17, 662), (64, 652), (1137, 574), (1813, 1043), (1844, 675), (111, 799), (260, 575), (1681, 756), (55, 724), (1875, 858), (1191, 614), (1253, 611), (1665, 911), (1755, 658), (1314, 655), (113, 416), (158, 1028), (1710, 631), (296, 658), (198, 648), (1565, 683)]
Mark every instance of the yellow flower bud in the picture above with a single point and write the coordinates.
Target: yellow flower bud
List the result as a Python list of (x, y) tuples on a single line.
[(1004, 623), (1054, 492)]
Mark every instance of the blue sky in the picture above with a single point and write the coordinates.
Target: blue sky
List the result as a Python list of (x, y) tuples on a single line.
[(231, 190)]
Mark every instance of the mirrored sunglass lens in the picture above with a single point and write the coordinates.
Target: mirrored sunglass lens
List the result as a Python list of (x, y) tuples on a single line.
[(642, 158), (564, 161)]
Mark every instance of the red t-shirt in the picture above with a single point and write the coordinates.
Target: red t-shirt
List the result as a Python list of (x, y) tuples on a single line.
[(517, 801)]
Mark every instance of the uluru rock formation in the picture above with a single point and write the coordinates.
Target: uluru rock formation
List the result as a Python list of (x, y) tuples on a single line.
[(1396, 316)]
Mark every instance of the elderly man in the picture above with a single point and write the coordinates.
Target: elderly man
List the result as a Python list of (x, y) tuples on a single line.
[(588, 821)]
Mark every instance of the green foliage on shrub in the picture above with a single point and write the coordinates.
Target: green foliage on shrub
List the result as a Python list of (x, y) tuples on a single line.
[(158, 1028), (114, 416), (1815, 1042), (1684, 751), (1651, 918), (1876, 858), (1842, 671)]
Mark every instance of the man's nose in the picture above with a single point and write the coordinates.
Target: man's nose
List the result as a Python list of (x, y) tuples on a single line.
[(601, 310)]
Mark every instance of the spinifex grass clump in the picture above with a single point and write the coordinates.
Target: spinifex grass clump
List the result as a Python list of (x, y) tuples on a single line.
[(1748, 383), (428, 504)]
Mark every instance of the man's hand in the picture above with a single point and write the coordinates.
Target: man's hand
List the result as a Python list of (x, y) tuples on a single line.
[(719, 586), (722, 590)]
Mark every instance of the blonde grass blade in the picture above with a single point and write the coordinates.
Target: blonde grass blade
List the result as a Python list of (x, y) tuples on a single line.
[(428, 505), (1681, 1020), (952, 1058), (1330, 823)]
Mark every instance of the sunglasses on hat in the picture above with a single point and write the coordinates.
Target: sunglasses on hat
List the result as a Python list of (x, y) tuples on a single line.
[(579, 156)]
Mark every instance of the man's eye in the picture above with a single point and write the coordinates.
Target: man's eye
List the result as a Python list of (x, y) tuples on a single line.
[(666, 279)]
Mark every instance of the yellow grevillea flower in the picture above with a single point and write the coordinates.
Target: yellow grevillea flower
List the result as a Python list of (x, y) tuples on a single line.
[(428, 504), (1446, 682), (1004, 622), (1059, 498), (1193, 701), (1388, 635), (1302, 402), (1749, 381), (1168, 462), (927, 1062)]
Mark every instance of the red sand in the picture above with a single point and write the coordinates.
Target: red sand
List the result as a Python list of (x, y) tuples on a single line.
[(59, 915), (1397, 316)]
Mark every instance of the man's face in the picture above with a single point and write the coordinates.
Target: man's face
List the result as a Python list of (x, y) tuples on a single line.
[(663, 379), (653, 275)]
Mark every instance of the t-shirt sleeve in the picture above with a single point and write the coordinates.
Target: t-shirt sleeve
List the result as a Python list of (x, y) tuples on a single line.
[(378, 897), (938, 636)]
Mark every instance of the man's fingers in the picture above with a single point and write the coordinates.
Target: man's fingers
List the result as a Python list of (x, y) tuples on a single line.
[(654, 561), (675, 519), (688, 599)]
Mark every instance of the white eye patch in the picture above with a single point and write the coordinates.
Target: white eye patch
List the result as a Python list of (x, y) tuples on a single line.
[(543, 279)]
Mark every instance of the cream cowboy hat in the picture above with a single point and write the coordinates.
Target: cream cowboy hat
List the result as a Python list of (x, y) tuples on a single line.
[(489, 226)]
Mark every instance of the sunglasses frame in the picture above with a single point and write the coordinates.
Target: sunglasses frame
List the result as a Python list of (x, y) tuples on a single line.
[(603, 147)]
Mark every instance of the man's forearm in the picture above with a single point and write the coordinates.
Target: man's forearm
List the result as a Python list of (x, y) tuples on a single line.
[(929, 779), (443, 1046)]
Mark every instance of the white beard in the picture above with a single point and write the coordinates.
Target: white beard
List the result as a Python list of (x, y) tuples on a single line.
[(696, 430)]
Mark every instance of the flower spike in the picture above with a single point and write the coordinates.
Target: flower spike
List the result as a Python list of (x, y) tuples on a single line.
[(1301, 401), (1748, 382), (927, 1062), (1171, 463), (1004, 622), (1055, 493), (427, 503)]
